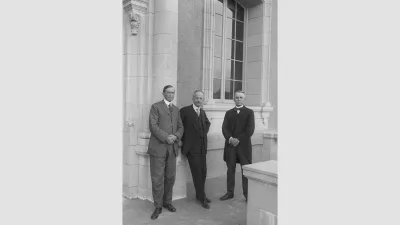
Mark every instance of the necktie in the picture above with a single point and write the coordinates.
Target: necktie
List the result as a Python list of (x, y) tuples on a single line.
[(237, 110), (170, 108), (198, 112)]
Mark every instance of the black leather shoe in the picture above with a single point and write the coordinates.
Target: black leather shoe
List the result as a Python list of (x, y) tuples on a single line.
[(170, 208), (207, 200), (205, 204), (155, 214), (226, 196)]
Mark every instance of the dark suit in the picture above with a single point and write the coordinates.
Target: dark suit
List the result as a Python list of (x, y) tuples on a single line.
[(241, 126), (163, 122), (194, 147)]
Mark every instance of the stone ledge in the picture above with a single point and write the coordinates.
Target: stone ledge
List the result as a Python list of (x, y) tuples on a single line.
[(141, 150), (263, 171), (252, 3), (216, 141), (271, 134), (226, 107), (144, 135)]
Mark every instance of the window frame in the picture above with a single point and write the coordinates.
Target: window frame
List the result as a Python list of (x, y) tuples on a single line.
[(223, 51)]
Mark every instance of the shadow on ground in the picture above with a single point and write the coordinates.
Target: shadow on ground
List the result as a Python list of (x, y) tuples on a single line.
[(189, 211)]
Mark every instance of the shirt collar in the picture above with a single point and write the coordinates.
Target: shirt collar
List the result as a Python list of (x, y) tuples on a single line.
[(195, 107), (167, 102), (238, 107)]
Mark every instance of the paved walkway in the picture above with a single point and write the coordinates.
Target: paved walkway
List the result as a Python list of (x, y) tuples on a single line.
[(189, 211)]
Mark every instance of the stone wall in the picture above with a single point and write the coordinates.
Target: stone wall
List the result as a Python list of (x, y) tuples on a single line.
[(190, 42)]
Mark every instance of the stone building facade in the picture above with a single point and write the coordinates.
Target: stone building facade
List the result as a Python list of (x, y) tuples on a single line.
[(217, 46)]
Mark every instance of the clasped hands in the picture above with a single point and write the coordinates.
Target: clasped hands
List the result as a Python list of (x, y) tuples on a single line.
[(171, 139), (234, 141)]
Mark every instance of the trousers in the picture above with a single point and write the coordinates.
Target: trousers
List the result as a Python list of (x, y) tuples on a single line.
[(233, 155), (198, 168), (163, 172)]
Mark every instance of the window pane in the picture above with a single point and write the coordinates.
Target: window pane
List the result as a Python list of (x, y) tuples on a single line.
[(228, 89), (239, 51), (219, 4), (218, 24), (229, 54), (217, 88), (217, 67), (229, 69), (239, 30), (240, 13), (238, 86), (230, 28), (238, 70), (217, 46), (230, 11)]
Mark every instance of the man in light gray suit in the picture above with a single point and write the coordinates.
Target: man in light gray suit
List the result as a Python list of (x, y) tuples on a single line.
[(166, 131)]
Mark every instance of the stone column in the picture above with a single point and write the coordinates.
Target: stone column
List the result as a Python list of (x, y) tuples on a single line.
[(150, 63), (262, 199), (266, 52), (135, 74), (270, 145), (165, 70), (208, 51), (165, 47)]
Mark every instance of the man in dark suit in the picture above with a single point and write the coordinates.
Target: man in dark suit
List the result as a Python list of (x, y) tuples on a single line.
[(237, 128), (196, 126), (166, 130)]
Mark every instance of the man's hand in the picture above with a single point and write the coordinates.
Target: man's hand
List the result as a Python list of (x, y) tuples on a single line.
[(175, 138), (171, 139), (234, 142)]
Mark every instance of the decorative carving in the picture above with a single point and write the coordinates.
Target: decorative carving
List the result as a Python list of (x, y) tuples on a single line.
[(134, 20), (130, 123), (267, 105), (136, 9)]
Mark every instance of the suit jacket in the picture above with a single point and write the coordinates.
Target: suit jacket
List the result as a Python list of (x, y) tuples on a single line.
[(240, 126), (191, 136), (162, 123)]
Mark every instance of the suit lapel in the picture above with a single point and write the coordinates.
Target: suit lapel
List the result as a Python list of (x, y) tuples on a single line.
[(166, 107), (193, 115), (203, 118), (192, 111)]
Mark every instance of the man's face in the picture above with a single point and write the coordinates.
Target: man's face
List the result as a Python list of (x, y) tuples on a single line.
[(239, 98), (198, 99), (169, 94)]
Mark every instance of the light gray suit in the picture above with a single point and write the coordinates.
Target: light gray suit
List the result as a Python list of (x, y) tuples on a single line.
[(162, 123)]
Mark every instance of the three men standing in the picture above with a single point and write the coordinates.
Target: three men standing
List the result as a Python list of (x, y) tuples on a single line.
[(166, 130), (196, 126), (167, 125), (237, 128)]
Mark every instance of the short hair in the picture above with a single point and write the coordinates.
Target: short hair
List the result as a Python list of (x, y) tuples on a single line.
[(239, 91), (166, 87), (197, 91)]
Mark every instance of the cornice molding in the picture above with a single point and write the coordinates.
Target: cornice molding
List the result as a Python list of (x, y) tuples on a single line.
[(137, 6)]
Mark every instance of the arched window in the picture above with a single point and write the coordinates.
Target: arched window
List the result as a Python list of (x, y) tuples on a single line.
[(228, 48)]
